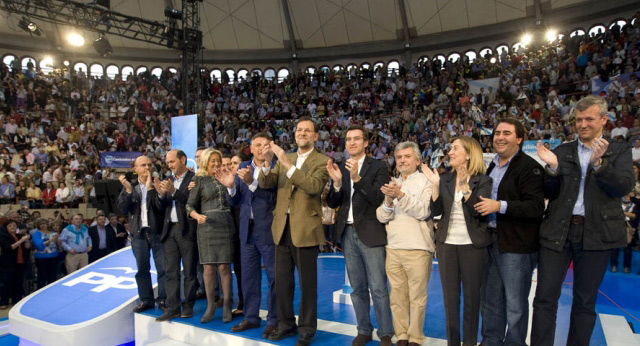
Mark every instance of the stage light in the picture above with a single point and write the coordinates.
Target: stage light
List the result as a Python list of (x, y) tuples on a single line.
[(172, 13), (66, 63), (102, 46), (75, 39), (526, 39), (551, 35), (493, 60), (27, 25)]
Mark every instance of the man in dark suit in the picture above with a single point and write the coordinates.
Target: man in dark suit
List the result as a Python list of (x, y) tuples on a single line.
[(356, 190), (515, 213), (145, 214), (256, 241), (178, 238), (103, 240), (118, 229), (297, 228), (584, 182)]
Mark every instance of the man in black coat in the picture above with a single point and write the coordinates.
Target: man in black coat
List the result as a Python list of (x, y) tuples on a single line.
[(584, 182), (141, 203), (355, 188), (178, 237), (515, 213), (118, 229), (102, 238)]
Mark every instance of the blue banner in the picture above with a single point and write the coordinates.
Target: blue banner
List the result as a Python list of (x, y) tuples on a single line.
[(118, 159), (598, 86), (184, 136), (529, 147)]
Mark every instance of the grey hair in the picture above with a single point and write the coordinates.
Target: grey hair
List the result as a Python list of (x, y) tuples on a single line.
[(409, 144), (588, 101)]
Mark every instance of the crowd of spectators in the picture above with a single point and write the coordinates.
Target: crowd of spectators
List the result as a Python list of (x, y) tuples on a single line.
[(54, 126)]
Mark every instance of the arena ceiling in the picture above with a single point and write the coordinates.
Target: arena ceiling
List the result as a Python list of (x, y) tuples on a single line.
[(250, 25)]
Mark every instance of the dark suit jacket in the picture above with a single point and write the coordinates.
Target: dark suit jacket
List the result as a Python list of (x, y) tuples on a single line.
[(262, 201), (130, 203), (367, 197), (604, 226), (95, 240), (522, 187), (301, 195), (480, 185), (120, 242), (180, 196)]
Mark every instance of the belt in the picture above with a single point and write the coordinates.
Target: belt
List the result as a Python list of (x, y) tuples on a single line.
[(577, 219)]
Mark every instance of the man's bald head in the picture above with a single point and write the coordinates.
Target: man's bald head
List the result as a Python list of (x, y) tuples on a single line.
[(142, 166)]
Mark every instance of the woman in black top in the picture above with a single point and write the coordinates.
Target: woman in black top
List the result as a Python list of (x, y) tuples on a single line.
[(15, 251)]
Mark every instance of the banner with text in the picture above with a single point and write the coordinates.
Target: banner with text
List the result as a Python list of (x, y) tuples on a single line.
[(118, 159)]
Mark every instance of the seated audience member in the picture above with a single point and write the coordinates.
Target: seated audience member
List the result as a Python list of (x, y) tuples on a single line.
[(34, 196), (49, 196)]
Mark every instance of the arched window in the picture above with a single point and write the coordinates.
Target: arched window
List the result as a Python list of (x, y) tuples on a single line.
[(216, 75), (112, 71), (269, 74), (392, 67), (337, 68), (310, 70), (256, 72), (351, 67), (454, 57), (231, 74), (8, 59), (441, 58), (173, 70), (365, 65), (378, 65), (283, 74), (620, 22), (243, 74), (46, 65), (633, 21), (471, 55), (141, 69), (96, 70), (325, 69), (485, 51), (423, 59), (126, 72), (81, 66), (156, 71), (502, 49), (518, 46), (28, 61), (597, 29), (577, 32)]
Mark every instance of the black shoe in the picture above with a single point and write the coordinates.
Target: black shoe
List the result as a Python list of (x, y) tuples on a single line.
[(268, 331), (280, 334), (142, 307), (244, 325), (168, 316), (361, 340), (162, 305), (304, 339), (187, 312)]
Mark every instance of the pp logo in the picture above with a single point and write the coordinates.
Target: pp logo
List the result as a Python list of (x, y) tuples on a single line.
[(108, 159), (104, 281)]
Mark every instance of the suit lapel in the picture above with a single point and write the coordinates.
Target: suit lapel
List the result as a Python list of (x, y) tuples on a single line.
[(365, 166), (450, 184)]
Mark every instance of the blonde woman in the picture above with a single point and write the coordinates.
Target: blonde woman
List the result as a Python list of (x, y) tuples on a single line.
[(208, 205), (462, 237)]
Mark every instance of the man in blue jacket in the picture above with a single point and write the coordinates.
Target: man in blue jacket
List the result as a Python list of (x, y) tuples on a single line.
[(584, 182), (256, 240)]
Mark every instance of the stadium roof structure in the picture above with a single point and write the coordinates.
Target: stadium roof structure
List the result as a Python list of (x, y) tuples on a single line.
[(275, 30)]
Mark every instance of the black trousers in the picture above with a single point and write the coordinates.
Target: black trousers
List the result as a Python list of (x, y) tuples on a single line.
[(462, 264), (97, 254), (47, 271), (177, 249), (237, 268), (588, 271), (12, 278), (305, 260)]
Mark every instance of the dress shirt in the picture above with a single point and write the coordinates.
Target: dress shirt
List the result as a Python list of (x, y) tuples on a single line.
[(584, 154), (177, 181), (497, 173), (299, 162), (102, 234), (252, 187), (350, 215), (144, 221)]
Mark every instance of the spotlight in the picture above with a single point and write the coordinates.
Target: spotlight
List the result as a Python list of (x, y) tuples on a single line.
[(526, 39), (102, 46), (29, 26), (172, 13), (493, 60), (65, 63), (75, 39), (551, 35)]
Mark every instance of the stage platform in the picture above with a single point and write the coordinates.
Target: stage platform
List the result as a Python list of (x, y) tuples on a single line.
[(617, 306)]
